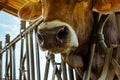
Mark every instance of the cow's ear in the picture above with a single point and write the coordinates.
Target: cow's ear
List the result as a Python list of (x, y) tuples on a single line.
[(105, 6), (30, 11)]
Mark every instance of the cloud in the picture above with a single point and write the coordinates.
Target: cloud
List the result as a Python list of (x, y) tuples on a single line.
[(11, 27), (16, 20), (13, 30)]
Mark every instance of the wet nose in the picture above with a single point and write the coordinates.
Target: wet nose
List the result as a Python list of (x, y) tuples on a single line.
[(53, 36)]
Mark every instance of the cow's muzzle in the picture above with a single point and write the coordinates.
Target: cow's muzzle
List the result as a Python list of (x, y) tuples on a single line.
[(56, 38), (50, 38)]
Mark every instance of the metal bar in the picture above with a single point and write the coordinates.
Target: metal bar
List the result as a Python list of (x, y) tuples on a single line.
[(100, 36), (21, 56), (23, 26), (52, 57), (47, 67), (8, 67), (92, 46), (14, 67), (37, 57), (11, 63), (87, 73), (27, 54), (64, 70), (22, 68), (30, 27), (116, 68), (7, 40), (54, 71), (71, 77), (32, 55), (103, 45), (6, 73), (23, 62), (111, 71), (24, 77)]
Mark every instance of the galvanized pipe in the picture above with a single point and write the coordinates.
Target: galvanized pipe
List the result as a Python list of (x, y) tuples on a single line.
[(47, 67), (100, 35), (11, 63), (6, 42), (21, 56), (23, 26), (54, 72), (52, 57), (37, 56), (64, 70), (8, 68), (88, 71), (14, 67), (32, 55), (24, 77), (71, 77), (6, 63), (22, 68), (103, 45), (27, 54), (91, 51)]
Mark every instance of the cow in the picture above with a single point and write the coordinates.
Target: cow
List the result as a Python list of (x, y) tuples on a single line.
[(67, 29)]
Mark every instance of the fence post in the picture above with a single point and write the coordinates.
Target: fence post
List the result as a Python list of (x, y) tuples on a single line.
[(13, 60), (47, 66), (11, 72), (27, 54), (0, 61), (6, 71), (32, 55), (71, 73), (37, 56), (64, 70), (52, 57), (23, 25)]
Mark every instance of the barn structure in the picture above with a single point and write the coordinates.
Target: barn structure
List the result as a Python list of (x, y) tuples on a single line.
[(29, 49)]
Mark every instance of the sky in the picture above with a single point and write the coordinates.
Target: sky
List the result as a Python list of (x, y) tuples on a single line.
[(10, 24)]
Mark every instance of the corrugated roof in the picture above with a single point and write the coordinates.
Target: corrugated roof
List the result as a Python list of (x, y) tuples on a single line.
[(12, 6)]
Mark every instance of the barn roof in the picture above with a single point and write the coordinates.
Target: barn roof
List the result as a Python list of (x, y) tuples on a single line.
[(12, 6)]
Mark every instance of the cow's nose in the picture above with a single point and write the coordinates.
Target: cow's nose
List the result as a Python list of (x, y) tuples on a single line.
[(62, 33), (53, 35)]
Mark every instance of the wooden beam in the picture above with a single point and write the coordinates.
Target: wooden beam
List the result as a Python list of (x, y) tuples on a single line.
[(8, 9)]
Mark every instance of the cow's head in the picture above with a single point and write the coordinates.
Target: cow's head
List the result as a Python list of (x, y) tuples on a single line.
[(67, 23), (64, 27)]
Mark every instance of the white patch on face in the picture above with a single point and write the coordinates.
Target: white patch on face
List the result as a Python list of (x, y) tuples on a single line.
[(57, 23)]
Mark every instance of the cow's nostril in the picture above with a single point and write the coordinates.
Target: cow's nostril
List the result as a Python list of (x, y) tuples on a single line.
[(40, 38), (63, 33)]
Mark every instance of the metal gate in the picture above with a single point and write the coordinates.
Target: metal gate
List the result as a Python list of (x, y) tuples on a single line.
[(29, 57), (29, 48)]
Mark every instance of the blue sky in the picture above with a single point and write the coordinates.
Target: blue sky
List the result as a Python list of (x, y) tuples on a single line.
[(8, 25)]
